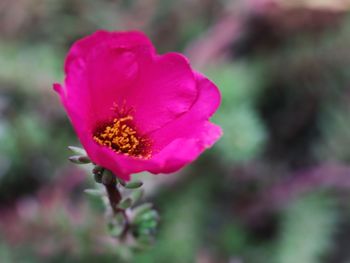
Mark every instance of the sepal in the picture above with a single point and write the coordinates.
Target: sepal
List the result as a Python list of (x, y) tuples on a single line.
[(79, 159), (77, 150)]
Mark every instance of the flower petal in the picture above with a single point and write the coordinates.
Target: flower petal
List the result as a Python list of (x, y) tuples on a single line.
[(206, 104), (156, 89), (100, 65), (82, 48), (174, 156), (182, 151), (166, 90)]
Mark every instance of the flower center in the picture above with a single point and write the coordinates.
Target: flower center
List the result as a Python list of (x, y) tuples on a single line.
[(120, 137)]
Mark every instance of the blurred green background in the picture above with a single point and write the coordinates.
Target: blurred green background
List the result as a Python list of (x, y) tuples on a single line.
[(274, 189)]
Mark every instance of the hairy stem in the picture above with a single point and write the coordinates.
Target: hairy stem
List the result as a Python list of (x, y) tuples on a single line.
[(115, 197)]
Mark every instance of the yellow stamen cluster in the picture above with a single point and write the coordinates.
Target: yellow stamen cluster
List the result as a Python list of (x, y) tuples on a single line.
[(121, 138)]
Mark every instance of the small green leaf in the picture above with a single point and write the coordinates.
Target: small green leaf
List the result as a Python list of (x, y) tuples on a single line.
[(134, 185), (121, 181), (79, 159), (136, 195), (94, 192), (141, 209), (119, 219), (115, 229), (77, 150), (149, 224), (150, 215), (145, 232), (126, 203)]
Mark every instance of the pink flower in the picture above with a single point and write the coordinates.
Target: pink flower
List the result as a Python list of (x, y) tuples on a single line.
[(134, 110)]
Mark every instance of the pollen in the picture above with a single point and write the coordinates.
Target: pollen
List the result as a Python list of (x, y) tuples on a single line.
[(120, 136)]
